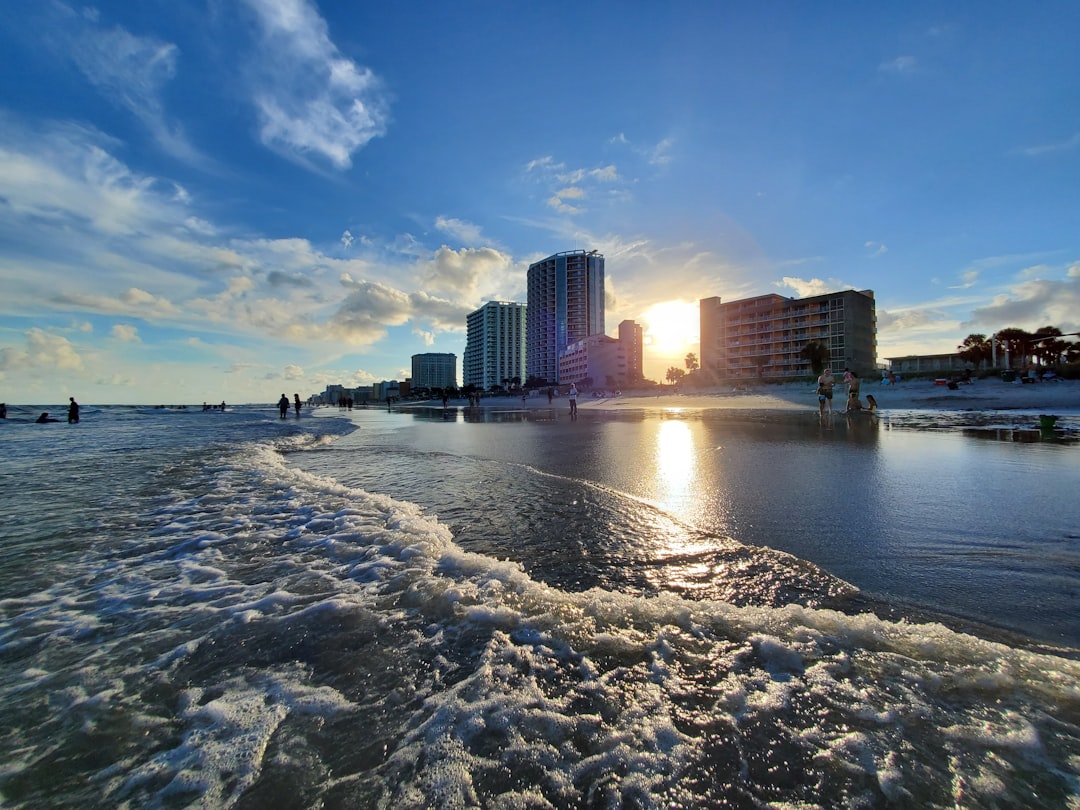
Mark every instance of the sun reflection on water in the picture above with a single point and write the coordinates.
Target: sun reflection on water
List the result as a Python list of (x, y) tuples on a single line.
[(675, 466)]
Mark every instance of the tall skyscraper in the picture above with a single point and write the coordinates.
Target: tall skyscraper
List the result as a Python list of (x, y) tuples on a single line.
[(566, 304), (434, 370), (495, 345), (631, 337)]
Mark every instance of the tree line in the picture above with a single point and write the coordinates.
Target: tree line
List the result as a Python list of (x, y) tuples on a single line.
[(1045, 346)]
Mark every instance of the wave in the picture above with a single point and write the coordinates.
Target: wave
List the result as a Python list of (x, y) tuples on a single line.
[(262, 632)]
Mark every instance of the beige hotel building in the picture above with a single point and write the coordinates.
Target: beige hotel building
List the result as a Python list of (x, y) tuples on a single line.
[(763, 337)]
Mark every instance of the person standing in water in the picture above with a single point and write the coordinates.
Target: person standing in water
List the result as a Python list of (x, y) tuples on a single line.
[(296, 404), (572, 394), (283, 406), (825, 390), (73, 411)]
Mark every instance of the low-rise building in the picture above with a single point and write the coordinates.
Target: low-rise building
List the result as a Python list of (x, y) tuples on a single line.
[(596, 358), (928, 363)]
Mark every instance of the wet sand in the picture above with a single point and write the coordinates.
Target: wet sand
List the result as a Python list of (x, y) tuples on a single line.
[(980, 395)]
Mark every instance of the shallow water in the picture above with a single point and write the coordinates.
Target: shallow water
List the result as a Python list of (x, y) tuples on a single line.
[(986, 531), (229, 611)]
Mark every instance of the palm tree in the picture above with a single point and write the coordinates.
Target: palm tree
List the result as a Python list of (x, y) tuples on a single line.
[(1016, 344), (975, 349), (817, 353), (1047, 345), (674, 374)]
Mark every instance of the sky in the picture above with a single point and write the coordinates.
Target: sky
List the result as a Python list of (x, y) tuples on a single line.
[(233, 199)]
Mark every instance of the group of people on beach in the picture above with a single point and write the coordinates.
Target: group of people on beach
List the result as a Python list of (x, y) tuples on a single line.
[(825, 384), (72, 414), (283, 405)]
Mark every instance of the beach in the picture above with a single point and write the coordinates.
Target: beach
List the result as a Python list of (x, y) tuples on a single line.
[(508, 607), (991, 394)]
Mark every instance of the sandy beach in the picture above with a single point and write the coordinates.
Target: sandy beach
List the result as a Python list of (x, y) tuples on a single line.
[(1060, 397)]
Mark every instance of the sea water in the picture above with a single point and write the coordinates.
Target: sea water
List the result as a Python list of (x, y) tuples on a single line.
[(455, 608)]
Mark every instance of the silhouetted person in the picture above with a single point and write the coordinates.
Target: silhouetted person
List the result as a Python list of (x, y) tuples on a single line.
[(73, 411), (3, 410), (283, 406), (41, 420), (296, 404)]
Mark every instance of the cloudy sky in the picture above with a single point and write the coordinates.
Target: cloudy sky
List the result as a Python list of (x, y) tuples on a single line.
[(231, 199)]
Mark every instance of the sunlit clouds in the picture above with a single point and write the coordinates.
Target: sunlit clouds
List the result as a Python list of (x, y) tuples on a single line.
[(221, 199), (312, 101)]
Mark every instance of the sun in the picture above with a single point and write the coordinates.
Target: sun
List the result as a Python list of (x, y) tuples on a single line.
[(672, 327)]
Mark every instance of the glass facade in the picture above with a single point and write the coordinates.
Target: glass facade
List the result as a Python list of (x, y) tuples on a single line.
[(566, 304)]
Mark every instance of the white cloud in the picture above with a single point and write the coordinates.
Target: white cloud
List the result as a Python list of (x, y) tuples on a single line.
[(130, 71), (43, 353), (1065, 145), (814, 286), (1033, 303), (876, 249), (427, 336), (967, 279), (125, 333), (899, 65), (465, 232), (311, 100), (462, 274), (570, 184), (133, 302)]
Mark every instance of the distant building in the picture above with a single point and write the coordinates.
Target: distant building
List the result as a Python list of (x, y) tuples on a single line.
[(387, 389), (922, 363), (434, 370), (495, 345), (334, 394), (630, 335), (765, 336), (599, 360), (565, 305)]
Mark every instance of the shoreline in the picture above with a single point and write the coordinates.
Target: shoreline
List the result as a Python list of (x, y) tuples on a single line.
[(1060, 397)]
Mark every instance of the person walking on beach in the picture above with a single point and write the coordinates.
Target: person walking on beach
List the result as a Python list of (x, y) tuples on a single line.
[(73, 411), (296, 404), (825, 390), (853, 383), (283, 406), (572, 395)]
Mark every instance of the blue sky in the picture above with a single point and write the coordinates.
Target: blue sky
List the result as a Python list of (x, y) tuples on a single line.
[(232, 199)]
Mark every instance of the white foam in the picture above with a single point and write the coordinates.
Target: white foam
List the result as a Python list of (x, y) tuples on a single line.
[(607, 695)]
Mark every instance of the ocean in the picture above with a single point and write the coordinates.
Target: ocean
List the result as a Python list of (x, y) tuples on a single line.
[(513, 609)]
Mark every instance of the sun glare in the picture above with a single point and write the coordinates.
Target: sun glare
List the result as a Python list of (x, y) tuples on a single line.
[(672, 327)]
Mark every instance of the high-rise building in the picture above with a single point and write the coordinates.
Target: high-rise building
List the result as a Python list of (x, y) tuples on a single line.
[(630, 335), (764, 337), (566, 304), (495, 345), (434, 370)]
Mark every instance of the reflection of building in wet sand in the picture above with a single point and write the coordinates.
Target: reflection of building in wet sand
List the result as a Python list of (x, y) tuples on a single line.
[(765, 336)]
